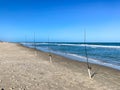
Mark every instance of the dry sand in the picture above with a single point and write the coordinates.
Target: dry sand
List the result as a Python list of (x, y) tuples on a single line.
[(21, 69)]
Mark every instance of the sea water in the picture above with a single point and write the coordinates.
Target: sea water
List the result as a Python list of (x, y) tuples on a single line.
[(107, 54)]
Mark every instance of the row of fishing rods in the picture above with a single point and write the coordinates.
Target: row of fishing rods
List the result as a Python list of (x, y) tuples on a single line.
[(50, 55)]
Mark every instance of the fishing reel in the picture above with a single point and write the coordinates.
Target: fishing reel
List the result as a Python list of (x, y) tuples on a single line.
[(49, 55)]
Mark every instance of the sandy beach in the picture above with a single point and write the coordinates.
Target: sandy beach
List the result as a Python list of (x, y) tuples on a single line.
[(23, 68)]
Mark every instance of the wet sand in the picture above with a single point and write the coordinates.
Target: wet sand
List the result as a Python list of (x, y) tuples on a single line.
[(23, 68)]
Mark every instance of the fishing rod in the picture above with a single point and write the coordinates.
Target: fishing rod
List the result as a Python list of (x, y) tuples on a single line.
[(25, 40), (86, 54), (50, 56), (35, 44)]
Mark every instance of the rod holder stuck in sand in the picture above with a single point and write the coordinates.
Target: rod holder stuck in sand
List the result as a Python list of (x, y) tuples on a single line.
[(89, 72), (50, 57)]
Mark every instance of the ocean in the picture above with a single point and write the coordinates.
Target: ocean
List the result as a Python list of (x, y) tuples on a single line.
[(106, 54)]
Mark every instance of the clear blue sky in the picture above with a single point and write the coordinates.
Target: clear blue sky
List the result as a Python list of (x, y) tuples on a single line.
[(61, 20)]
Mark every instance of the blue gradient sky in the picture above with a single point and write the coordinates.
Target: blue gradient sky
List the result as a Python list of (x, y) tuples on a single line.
[(61, 20)]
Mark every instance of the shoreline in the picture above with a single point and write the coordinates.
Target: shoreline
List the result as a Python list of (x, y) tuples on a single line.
[(22, 69), (107, 65)]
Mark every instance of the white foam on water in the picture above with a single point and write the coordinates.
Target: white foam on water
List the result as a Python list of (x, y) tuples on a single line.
[(94, 61), (92, 46), (83, 59), (82, 45)]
